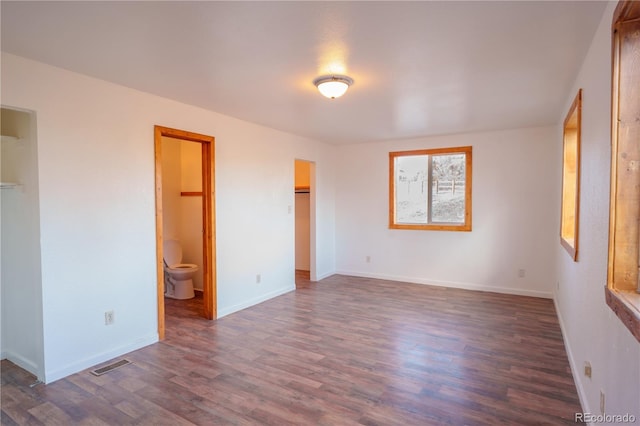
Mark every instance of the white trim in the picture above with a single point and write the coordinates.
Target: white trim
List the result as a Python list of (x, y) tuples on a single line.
[(52, 376), (575, 372), (324, 275), (21, 362), (452, 284), (240, 306)]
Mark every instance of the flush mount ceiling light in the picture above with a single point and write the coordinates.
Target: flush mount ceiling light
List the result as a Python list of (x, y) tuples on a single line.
[(333, 86)]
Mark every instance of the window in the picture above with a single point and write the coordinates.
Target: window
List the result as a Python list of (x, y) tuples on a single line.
[(571, 178), (622, 291), (430, 189)]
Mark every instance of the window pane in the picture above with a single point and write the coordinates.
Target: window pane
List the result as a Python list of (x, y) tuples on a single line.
[(430, 189), (448, 192), (411, 189)]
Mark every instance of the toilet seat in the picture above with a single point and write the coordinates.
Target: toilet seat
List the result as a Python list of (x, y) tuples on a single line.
[(172, 252), (184, 265), (181, 267)]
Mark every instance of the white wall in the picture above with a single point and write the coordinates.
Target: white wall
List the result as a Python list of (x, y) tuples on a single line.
[(514, 216), (182, 215), (20, 276), (592, 331), (97, 197), (191, 208), (302, 231), (171, 186)]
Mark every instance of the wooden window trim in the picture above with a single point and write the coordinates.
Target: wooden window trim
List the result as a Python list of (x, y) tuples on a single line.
[(622, 292), (464, 227), (571, 134)]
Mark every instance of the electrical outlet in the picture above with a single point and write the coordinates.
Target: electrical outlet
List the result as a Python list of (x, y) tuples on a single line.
[(108, 318), (601, 402), (521, 273), (258, 279), (587, 369), (368, 259)]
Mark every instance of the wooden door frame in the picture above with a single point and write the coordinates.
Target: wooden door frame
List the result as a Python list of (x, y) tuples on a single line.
[(208, 220)]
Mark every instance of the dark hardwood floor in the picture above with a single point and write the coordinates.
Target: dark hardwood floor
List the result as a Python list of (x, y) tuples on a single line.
[(302, 279), (343, 351)]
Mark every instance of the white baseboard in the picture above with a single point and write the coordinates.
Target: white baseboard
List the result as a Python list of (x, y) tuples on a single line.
[(52, 376), (575, 370), (452, 284), (240, 306), (21, 362), (324, 275)]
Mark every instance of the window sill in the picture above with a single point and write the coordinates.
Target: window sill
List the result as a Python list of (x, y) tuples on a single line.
[(432, 227), (626, 305)]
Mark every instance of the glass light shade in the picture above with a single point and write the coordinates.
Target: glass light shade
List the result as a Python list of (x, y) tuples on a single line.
[(333, 86), (333, 89)]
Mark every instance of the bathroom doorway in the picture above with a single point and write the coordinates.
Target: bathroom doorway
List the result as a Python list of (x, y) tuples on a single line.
[(304, 222), (207, 206)]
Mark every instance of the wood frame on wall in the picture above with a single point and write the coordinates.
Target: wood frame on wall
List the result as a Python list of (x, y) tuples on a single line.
[(208, 220), (570, 207), (622, 292)]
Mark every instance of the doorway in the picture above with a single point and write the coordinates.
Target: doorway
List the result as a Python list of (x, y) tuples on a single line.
[(20, 263), (304, 222), (207, 145)]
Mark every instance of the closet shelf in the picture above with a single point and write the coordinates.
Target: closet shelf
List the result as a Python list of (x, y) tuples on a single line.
[(9, 185), (7, 138)]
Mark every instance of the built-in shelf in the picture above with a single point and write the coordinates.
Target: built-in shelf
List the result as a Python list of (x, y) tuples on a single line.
[(7, 138), (8, 185)]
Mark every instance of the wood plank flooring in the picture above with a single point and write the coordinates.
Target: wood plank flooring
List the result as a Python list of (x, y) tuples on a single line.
[(343, 351)]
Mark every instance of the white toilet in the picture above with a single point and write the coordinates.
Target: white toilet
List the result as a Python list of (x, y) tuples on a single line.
[(178, 282)]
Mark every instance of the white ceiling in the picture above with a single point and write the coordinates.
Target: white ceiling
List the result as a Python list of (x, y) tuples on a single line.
[(420, 68)]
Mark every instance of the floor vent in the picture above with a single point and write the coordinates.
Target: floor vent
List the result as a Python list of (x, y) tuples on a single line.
[(110, 367)]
